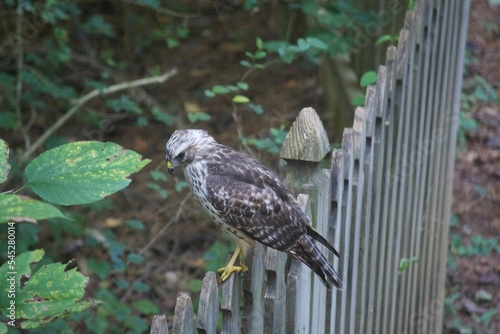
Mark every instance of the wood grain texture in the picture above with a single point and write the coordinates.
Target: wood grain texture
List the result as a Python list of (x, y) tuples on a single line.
[(307, 139)]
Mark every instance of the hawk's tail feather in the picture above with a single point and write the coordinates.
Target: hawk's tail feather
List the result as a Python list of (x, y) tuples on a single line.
[(307, 252), (318, 237)]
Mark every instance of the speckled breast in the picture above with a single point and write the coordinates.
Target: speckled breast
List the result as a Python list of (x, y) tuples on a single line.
[(195, 178)]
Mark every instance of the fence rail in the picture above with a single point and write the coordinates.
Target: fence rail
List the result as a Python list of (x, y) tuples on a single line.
[(384, 203)]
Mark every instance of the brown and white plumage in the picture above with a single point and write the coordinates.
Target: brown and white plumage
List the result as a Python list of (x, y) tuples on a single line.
[(247, 200)]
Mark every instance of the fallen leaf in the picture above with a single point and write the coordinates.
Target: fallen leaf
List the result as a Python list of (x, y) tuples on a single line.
[(113, 222)]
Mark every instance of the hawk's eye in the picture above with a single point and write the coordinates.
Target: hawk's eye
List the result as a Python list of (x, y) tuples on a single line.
[(180, 156)]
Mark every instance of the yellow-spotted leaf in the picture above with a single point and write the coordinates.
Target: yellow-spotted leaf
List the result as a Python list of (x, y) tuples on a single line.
[(50, 292), (82, 172), (21, 208)]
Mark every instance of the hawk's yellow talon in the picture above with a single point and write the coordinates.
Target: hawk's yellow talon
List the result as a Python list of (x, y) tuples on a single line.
[(226, 271), (230, 268)]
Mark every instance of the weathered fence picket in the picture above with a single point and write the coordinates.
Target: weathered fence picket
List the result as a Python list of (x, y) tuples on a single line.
[(384, 203), (183, 315), (253, 292), (208, 307), (230, 304), (159, 325), (298, 287)]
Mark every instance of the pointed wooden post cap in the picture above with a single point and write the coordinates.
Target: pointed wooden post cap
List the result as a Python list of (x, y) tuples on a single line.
[(307, 139)]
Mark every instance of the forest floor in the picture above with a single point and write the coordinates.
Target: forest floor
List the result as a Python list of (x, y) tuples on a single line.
[(473, 280)]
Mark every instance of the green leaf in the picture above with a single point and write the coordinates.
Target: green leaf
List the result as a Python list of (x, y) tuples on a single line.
[(242, 85), (486, 317), (161, 116), (99, 267), (172, 43), (484, 91), (215, 254), (135, 224), (358, 100), (8, 120), (4, 161), (240, 99), (21, 208), (153, 186), (279, 134), (142, 121), (405, 263), (135, 258), (259, 43), (116, 250), (136, 324), (99, 85), (140, 286), (268, 144), (467, 122), (82, 172), (156, 187), (196, 116), (256, 108), (383, 38), (122, 283), (480, 190), (209, 93), (98, 26), (49, 293), (316, 43), (195, 285), (457, 326), (179, 185), (260, 55), (19, 266), (124, 103), (244, 63), (44, 84), (145, 306), (182, 32), (482, 295), (302, 45), (232, 88), (218, 89), (368, 78)]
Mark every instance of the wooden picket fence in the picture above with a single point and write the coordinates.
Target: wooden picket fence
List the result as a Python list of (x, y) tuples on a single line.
[(384, 204)]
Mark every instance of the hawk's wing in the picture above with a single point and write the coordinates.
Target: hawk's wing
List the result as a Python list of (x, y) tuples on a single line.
[(253, 200)]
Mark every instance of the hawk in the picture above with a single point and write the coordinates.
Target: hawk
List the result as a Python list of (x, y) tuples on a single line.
[(248, 201)]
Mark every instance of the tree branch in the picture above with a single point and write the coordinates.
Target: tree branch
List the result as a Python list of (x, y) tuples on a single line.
[(78, 103), (172, 220)]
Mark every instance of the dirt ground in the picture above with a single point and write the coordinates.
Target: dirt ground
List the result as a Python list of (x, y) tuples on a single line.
[(476, 188)]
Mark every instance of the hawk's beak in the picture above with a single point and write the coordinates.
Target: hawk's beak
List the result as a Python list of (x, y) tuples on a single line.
[(170, 167)]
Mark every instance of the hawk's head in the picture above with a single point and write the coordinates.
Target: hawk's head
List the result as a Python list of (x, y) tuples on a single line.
[(186, 146)]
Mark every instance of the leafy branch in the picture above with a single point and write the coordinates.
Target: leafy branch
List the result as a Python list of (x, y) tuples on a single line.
[(75, 173)]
